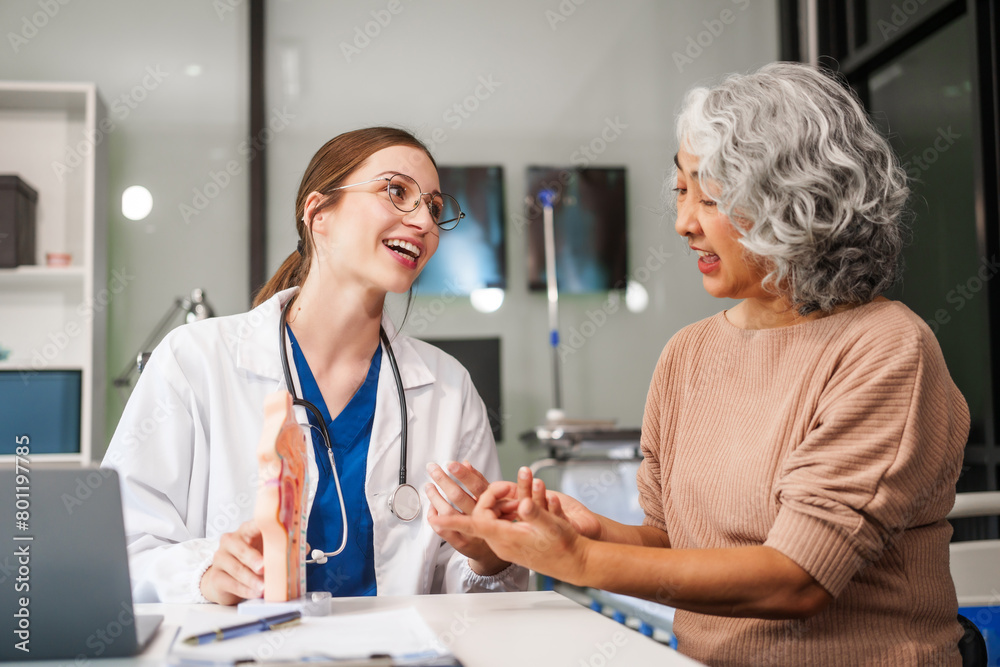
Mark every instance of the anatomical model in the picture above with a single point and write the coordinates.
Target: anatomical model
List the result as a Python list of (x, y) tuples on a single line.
[(281, 455)]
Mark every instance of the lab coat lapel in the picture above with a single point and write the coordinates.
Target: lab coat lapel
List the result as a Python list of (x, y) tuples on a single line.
[(258, 352), (257, 347)]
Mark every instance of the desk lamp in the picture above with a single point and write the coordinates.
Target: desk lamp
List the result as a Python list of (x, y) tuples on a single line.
[(195, 307)]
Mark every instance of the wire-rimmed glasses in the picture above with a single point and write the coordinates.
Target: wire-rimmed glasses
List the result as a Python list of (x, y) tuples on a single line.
[(405, 195)]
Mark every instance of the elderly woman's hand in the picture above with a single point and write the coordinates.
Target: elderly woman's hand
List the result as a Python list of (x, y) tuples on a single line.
[(565, 507), (534, 536)]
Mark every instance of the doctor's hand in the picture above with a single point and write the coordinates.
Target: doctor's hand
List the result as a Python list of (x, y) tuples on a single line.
[(482, 560), (523, 531), (237, 568)]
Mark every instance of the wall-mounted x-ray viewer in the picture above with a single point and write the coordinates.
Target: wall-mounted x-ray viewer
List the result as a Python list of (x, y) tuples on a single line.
[(44, 405), (590, 228), (470, 259)]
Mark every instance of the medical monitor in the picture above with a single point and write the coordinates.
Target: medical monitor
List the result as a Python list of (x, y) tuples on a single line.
[(481, 357), (43, 404)]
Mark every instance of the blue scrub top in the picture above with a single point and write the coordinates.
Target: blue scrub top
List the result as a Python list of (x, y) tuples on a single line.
[(352, 573)]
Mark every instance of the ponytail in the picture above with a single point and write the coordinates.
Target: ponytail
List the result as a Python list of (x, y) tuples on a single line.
[(291, 273)]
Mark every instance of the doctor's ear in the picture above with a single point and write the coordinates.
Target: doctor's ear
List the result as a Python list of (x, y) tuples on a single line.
[(315, 218)]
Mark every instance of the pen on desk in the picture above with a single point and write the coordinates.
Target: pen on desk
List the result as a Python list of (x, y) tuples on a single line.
[(275, 622)]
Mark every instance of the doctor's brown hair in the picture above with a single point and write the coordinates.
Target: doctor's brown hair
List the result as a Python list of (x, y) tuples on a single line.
[(328, 169)]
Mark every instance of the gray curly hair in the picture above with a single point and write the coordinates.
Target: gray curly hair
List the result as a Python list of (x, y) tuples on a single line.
[(791, 151)]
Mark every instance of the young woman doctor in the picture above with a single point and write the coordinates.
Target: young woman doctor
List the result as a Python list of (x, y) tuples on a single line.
[(369, 214)]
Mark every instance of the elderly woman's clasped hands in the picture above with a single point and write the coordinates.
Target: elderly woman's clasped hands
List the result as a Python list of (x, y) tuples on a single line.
[(523, 522)]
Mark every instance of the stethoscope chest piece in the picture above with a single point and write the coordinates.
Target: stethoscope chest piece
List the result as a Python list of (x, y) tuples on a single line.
[(404, 502)]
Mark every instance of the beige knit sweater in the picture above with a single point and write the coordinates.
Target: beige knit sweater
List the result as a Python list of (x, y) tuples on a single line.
[(837, 442)]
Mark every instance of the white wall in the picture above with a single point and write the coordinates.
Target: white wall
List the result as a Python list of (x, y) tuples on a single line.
[(171, 131), (560, 72), (559, 81)]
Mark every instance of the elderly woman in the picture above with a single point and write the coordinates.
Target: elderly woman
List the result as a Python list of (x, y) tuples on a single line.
[(801, 448)]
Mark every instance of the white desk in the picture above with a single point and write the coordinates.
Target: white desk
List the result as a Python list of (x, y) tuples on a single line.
[(534, 628), (482, 630)]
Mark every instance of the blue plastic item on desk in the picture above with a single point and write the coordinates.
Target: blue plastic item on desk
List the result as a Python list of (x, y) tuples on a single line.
[(987, 619)]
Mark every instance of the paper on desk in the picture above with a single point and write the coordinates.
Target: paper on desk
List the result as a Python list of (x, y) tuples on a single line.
[(400, 633)]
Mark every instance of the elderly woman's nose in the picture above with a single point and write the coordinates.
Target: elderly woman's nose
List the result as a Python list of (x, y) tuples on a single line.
[(687, 221)]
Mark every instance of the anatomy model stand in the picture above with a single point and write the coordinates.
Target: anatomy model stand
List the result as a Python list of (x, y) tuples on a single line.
[(281, 456)]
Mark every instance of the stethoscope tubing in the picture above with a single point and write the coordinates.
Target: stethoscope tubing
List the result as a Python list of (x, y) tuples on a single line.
[(328, 442)]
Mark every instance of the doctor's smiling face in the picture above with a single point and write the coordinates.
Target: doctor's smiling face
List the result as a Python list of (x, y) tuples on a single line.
[(364, 237)]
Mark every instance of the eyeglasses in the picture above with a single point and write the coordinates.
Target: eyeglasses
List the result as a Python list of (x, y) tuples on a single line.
[(405, 195)]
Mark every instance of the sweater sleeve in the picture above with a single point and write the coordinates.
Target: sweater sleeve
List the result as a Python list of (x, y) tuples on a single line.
[(882, 454), (649, 478)]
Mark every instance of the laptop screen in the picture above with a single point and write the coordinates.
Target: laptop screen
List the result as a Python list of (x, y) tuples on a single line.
[(64, 581)]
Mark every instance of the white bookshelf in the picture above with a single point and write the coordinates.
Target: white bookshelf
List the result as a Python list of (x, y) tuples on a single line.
[(34, 275), (54, 136)]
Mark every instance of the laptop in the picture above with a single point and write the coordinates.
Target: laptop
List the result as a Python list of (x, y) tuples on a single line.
[(65, 592)]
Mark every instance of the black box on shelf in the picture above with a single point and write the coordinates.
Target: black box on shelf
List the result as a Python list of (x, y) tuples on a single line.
[(17, 222)]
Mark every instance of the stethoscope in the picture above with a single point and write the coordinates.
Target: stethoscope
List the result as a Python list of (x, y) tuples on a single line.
[(404, 501)]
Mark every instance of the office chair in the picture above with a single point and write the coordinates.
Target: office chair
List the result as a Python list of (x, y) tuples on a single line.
[(972, 646), (975, 569)]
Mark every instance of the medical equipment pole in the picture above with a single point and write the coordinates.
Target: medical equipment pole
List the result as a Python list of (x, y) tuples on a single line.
[(547, 198)]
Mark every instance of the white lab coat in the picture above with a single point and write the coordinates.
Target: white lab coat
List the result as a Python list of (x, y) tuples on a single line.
[(185, 450)]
